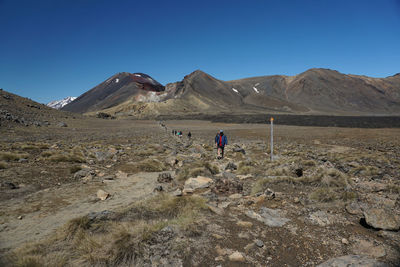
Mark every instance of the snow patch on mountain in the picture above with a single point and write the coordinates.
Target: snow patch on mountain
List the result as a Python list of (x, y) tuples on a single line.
[(57, 104), (255, 89), (235, 90)]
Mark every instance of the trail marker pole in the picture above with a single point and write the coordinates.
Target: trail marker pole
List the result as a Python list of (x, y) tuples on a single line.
[(272, 138)]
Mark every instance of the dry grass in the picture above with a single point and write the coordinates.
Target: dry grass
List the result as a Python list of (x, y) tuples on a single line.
[(9, 156), (66, 158), (121, 241), (75, 169)]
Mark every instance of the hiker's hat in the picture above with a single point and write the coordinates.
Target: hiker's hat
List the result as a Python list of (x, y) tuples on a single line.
[(221, 131)]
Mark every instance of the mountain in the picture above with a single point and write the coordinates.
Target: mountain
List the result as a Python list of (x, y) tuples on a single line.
[(330, 92), (16, 110), (115, 90), (57, 104), (315, 91)]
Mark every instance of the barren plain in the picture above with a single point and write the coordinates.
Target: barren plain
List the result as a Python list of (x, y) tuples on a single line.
[(129, 193)]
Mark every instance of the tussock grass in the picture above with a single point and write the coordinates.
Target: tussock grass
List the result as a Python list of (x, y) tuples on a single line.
[(308, 163), (3, 165), (322, 177), (123, 240), (365, 170), (326, 194), (199, 168), (392, 188), (66, 158), (246, 167), (46, 154), (9, 156)]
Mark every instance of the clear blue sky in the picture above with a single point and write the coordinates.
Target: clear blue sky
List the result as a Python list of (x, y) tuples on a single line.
[(52, 49)]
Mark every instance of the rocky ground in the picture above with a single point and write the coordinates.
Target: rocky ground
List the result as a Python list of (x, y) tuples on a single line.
[(124, 192)]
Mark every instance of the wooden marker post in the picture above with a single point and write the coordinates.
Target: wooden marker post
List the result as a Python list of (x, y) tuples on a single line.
[(272, 138)]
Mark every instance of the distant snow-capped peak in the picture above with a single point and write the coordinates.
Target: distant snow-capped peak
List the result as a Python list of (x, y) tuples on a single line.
[(57, 104)]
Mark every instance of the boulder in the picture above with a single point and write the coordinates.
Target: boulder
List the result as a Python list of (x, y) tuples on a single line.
[(364, 247), (62, 124), (199, 182), (382, 219), (321, 218), (102, 195), (269, 217), (239, 150), (352, 260), (354, 208)]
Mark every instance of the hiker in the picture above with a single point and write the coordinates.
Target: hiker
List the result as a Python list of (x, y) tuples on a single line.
[(189, 135), (220, 142)]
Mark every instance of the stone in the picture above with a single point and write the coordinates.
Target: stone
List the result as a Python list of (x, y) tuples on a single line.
[(299, 172), (10, 185), (235, 196), (164, 177), (23, 160), (353, 208), (259, 243), (101, 215), (244, 224), (260, 199), (237, 257), (228, 175), (81, 173), (121, 175), (20, 217), (177, 193), (62, 124), (296, 200), (249, 247), (199, 182), (239, 150), (269, 194), (364, 247), (158, 188), (217, 236), (345, 241), (221, 251), (382, 219), (354, 261), (102, 195), (216, 210), (321, 218), (244, 177), (231, 166), (270, 217)]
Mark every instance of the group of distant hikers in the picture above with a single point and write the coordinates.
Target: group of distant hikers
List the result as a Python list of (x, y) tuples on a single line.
[(220, 141), (180, 134)]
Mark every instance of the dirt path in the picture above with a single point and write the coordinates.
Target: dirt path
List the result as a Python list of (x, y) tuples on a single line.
[(46, 210)]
